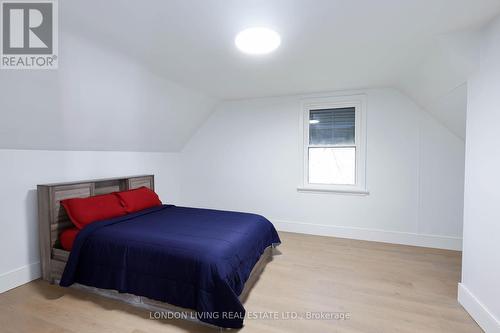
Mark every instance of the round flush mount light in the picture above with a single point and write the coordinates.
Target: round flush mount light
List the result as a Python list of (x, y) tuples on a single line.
[(257, 41)]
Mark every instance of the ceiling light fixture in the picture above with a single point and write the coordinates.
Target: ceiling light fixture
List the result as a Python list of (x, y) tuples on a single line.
[(257, 41), (314, 121)]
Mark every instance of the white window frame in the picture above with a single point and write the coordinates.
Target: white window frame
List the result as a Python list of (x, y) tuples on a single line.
[(335, 102)]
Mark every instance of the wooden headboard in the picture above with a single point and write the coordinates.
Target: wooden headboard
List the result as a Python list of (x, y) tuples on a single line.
[(52, 217)]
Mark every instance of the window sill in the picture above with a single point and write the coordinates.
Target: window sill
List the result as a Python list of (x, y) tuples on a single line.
[(332, 190)]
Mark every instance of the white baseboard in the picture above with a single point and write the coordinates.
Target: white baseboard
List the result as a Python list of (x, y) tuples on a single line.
[(396, 237), (485, 319), (19, 276)]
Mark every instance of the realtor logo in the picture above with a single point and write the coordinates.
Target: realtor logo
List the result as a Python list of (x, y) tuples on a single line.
[(29, 34)]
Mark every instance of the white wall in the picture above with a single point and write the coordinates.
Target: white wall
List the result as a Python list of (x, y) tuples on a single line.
[(246, 157), (479, 291), (98, 99)]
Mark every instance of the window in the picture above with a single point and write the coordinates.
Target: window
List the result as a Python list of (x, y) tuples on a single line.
[(334, 144)]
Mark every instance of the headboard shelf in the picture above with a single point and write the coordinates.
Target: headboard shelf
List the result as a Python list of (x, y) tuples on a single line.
[(98, 180), (53, 219)]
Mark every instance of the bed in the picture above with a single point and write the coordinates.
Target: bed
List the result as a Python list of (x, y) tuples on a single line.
[(165, 258)]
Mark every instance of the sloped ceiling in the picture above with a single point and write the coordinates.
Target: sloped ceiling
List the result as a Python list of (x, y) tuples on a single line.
[(98, 99), (439, 82), (168, 62), (326, 45)]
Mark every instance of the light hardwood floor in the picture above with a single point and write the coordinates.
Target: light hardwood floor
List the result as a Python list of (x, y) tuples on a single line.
[(383, 287)]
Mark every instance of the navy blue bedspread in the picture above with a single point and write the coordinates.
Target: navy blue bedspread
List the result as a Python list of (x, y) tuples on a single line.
[(193, 258)]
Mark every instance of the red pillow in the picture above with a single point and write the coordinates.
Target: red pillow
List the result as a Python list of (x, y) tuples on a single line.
[(138, 199), (83, 211), (67, 238)]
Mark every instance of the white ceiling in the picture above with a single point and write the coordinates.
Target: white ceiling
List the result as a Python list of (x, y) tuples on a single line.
[(326, 44)]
